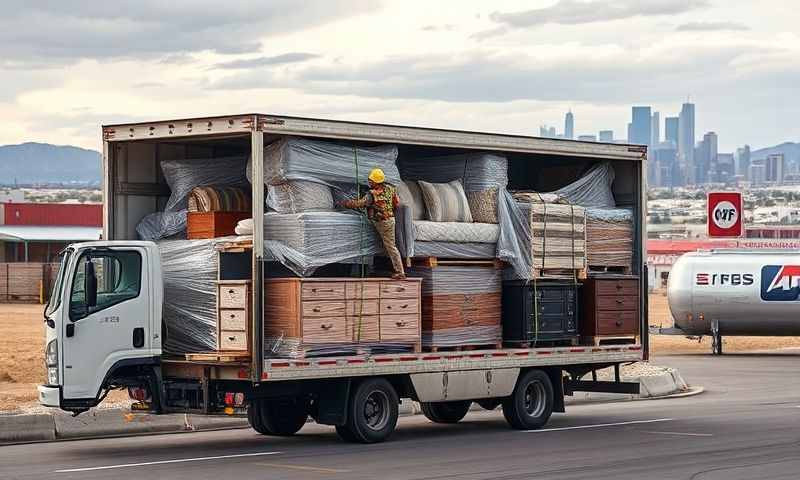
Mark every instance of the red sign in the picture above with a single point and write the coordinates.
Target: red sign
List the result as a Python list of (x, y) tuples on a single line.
[(725, 212)]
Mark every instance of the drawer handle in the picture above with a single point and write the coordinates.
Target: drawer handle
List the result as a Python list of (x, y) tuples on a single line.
[(620, 301), (400, 323), (326, 326), (231, 338), (233, 316), (619, 286), (231, 291), (400, 289), (618, 323), (322, 290), (315, 309)]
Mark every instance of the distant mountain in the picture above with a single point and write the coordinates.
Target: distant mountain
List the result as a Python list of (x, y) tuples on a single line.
[(790, 151), (45, 163)]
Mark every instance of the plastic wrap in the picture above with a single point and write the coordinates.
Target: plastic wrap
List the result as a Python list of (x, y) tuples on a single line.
[(299, 196), (288, 347), (304, 242), (609, 237), (593, 189), (323, 162), (182, 176), (460, 305), (190, 299)]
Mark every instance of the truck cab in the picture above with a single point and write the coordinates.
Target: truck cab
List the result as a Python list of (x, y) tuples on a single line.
[(103, 322)]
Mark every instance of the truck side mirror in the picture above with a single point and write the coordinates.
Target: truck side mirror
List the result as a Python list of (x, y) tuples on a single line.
[(90, 284)]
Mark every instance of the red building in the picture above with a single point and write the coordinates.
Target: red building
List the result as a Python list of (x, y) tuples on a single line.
[(37, 232)]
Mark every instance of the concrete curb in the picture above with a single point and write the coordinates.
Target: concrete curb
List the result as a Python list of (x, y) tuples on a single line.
[(27, 428)]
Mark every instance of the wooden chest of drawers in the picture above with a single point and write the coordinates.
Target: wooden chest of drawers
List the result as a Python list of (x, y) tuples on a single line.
[(611, 306), (233, 315), (322, 311)]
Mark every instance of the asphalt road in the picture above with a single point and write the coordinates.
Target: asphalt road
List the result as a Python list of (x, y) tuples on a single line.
[(746, 425)]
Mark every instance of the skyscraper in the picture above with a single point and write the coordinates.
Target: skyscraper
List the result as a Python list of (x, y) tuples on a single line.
[(641, 125), (655, 130), (686, 142), (775, 168), (705, 159), (671, 130), (743, 161), (606, 135), (569, 126)]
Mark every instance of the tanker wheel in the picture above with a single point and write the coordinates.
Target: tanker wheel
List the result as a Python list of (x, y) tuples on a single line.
[(531, 403), (446, 412)]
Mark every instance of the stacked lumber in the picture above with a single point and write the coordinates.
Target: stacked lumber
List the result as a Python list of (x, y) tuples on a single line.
[(558, 236), (460, 305), (609, 238)]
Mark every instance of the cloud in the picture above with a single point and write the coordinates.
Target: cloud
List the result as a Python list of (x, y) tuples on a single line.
[(438, 28), (293, 57), (65, 32), (711, 26), (576, 12)]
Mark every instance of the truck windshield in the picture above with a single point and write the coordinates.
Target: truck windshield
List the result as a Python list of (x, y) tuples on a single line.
[(55, 295)]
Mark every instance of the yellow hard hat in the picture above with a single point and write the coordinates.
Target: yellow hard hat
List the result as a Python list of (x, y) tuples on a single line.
[(377, 176)]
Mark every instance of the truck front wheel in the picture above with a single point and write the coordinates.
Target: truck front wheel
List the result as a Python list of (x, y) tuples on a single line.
[(372, 412), (531, 403), (446, 412)]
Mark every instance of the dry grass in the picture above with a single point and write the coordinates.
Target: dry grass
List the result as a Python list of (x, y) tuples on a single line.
[(22, 348)]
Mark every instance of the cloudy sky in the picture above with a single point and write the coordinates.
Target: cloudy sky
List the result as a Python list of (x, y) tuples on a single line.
[(508, 66)]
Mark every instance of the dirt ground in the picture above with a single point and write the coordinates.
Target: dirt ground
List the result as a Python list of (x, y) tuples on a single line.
[(22, 348)]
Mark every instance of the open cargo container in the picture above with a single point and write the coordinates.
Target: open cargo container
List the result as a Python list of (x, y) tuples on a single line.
[(334, 390)]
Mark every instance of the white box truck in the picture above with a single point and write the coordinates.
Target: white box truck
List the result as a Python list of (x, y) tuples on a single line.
[(119, 344)]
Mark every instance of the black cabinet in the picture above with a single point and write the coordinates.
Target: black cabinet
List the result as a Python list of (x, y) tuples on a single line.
[(546, 311)]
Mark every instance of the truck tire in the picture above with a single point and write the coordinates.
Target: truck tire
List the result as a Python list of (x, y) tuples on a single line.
[(254, 417), (283, 417), (531, 403), (445, 412), (372, 412)]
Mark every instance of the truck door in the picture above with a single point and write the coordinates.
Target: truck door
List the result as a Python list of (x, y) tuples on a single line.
[(108, 317)]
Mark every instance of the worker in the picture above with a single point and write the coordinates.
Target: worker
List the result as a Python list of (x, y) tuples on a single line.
[(381, 201)]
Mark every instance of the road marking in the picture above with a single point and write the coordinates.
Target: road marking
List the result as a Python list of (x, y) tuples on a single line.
[(163, 462), (302, 467), (599, 425), (687, 434)]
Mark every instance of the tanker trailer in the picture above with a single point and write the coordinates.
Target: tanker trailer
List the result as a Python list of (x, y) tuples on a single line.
[(735, 292)]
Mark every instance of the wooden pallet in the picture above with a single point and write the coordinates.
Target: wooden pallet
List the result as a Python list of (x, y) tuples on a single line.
[(612, 269), (611, 340), (558, 273), (568, 342), (433, 262), (235, 246), (463, 348), (219, 356)]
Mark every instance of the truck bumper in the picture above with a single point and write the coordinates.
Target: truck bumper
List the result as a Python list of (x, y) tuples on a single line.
[(49, 396)]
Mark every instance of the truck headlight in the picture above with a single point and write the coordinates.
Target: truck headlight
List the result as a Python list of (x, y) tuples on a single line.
[(51, 361), (51, 354), (52, 375)]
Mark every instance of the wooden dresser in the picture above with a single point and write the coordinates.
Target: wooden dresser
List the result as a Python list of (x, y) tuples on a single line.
[(611, 306), (343, 310), (233, 315)]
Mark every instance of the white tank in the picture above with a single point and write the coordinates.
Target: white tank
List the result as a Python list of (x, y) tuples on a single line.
[(747, 292)]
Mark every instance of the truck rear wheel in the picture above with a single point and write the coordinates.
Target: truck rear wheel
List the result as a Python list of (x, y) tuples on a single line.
[(446, 412), (531, 403), (278, 417), (372, 412)]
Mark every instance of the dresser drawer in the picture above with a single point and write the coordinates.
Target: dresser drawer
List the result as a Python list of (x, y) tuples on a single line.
[(617, 302), (323, 308), (322, 291), (617, 287), (233, 320), (363, 329), (399, 289), (325, 330), (232, 340), (618, 323), (355, 290), (400, 327), (232, 296), (399, 305), (363, 307)]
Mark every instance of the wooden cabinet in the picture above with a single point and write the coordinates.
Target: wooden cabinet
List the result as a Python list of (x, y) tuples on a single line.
[(233, 315), (344, 311), (611, 306)]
